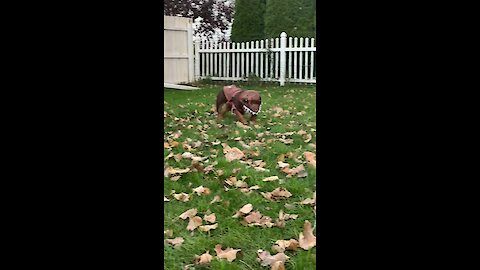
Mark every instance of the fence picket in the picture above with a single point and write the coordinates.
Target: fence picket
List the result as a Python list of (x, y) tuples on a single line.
[(261, 61), (252, 60), (312, 45), (277, 54), (247, 62), (306, 60), (227, 65), (295, 42), (238, 61), (272, 55), (290, 45), (300, 59)]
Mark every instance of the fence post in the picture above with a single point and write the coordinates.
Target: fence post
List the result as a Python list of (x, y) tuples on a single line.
[(197, 59), (283, 58)]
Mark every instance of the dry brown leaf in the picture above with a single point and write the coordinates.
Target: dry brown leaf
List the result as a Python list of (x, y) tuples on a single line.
[(171, 171), (210, 218), (175, 178), (307, 137), (230, 254), (177, 134), (271, 178), (301, 132), (175, 242), (282, 165), (310, 158), (165, 199), (203, 259), (194, 223), (278, 265), (253, 217), (231, 180), (285, 141), (206, 228), (282, 245), (306, 239), (282, 216), (266, 259), (241, 184), (236, 170), (232, 153), (308, 201), (299, 171), (184, 197), (189, 213), (201, 190), (259, 169), (244, 210), (177, 157), (216, 198)]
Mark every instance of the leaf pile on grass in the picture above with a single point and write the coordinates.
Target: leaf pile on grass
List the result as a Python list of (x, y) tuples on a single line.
[(234, 194)]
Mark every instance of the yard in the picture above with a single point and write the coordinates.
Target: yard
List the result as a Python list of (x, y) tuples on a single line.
[(215, 168)]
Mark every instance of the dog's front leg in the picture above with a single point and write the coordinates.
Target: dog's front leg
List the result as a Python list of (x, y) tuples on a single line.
[(253, 119), (240, 117)]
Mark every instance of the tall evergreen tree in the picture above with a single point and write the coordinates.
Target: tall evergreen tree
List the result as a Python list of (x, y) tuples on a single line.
[(248, 20), (295, 17)]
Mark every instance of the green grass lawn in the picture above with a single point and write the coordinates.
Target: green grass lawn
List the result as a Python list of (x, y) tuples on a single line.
[(191, 113)]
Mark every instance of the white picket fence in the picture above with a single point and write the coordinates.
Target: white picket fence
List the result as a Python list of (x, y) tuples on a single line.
[(269, 60)]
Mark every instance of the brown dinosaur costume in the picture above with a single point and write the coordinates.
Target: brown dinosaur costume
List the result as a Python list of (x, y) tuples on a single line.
[(239, 101)]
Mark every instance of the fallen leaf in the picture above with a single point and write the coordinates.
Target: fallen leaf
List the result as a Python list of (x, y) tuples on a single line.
[(253, 217), (299, 171), (210, 218), (216, 198), (194, 223), (266, 259), (232, 153), (241, 184), (175, 178), (306, 239), (230, 254), (307, 137), (203, 259), (308, 201), (301, 132), (310, 158), (165, 199), (231, 180), (201, 190), (271, 178), (175, 242), (189, 213), (244, 210), (206, 228), (184, 197), (282, 245), (282, 164), (278, 265), (277, 193), (171, 171)]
